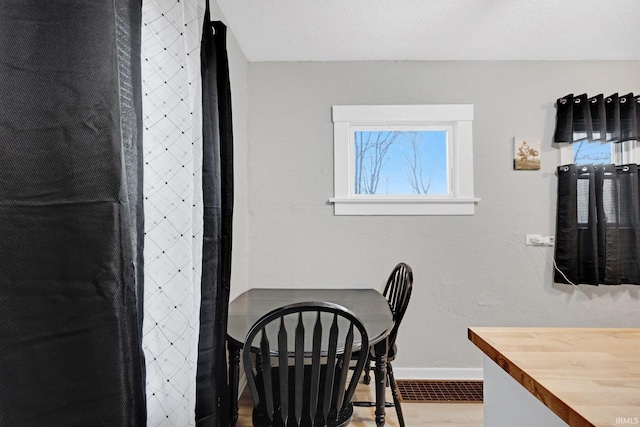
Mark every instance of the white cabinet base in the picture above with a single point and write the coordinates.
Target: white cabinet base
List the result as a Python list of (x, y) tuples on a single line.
[(507, 403)]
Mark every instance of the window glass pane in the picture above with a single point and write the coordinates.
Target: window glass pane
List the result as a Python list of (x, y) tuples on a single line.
[(591, 153), (401, 162)]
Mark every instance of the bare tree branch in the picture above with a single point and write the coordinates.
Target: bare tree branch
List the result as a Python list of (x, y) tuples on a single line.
[(415, 168), (370, 157)]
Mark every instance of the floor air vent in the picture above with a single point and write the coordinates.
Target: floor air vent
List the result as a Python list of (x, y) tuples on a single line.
[(424, 391)]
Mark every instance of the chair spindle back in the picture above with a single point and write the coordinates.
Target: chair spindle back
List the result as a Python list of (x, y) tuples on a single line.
[(308, 384), (398, 292)]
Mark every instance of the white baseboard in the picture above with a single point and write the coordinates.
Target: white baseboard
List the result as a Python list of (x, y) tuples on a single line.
[(437, 373)]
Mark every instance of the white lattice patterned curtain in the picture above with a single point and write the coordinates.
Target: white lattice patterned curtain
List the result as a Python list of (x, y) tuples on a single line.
[(171, 33)]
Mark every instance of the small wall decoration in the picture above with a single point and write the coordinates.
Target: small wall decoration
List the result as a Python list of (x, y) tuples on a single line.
[(526, 154)]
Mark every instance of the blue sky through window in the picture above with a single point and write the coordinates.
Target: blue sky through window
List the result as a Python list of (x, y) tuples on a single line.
[(591, 152), (401, 162)]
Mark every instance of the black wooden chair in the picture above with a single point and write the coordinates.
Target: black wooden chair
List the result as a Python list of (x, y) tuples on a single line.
[(297, 368), (398, 292)]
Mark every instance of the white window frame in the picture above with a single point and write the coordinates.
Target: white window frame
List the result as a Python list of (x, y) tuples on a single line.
[(457, 117)]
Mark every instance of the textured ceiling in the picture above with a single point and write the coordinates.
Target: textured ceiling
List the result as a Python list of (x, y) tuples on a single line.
[(354, 30)]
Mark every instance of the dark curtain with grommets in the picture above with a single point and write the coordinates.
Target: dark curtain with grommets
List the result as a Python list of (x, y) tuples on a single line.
[(597, 118), (598, 205)]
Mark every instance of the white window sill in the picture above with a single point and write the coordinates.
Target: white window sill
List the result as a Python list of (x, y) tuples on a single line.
[(404, 206)]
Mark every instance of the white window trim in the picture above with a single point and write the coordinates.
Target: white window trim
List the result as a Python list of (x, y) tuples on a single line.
[(460, 201)]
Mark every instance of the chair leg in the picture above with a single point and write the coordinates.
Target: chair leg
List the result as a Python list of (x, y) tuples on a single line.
[(394, 392), (367, 371)]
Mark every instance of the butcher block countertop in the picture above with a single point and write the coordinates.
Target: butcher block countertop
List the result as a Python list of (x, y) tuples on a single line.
[(586, 376)]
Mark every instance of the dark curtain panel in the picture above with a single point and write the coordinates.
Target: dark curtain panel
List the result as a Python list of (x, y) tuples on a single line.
[(212, 390), (128, 21), (598, 208), (70, 208), (598, 225), (613, 118)]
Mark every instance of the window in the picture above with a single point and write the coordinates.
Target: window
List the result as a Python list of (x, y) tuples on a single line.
[(403, 160), (586, 152)]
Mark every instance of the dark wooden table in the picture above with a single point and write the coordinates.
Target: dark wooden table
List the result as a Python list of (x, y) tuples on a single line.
[(368, 304)]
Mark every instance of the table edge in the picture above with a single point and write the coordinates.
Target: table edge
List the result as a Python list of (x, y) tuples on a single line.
[(544, 395), (372, 340)]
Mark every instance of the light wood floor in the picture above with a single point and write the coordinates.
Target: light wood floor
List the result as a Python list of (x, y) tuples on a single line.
[(415, 414)]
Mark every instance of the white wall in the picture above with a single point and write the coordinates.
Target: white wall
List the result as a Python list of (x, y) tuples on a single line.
[(469, 271), (238, 75)]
